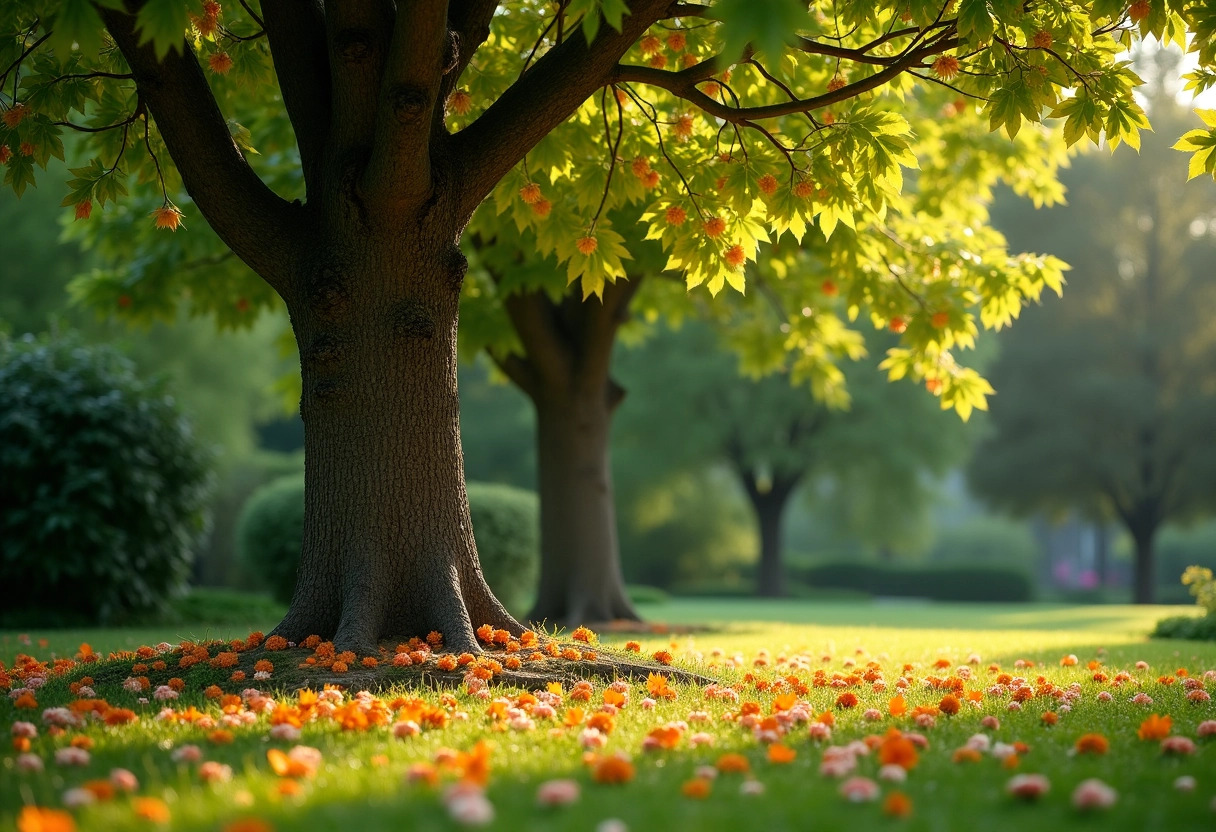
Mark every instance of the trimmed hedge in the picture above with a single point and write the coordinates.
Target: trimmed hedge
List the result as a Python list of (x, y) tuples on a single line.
[(270, 532), (1189, 627), (506, 524), (102, 482), (938, 583)]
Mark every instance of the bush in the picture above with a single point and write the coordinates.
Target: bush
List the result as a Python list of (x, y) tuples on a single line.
[(938, 583), (506, 524), (642, 594), (1190, 627), (1200, 583), (269, 534), (103, 486), (217, 562)]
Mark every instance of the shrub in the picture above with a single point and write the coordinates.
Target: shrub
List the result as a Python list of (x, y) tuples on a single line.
[(103, 486), (1190, 627), (1199, 580), (269, 534), (938, 583), (643, 594), (218, 563), (506, 525)]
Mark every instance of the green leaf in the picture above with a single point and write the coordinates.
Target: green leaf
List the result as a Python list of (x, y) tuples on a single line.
[(975, 21), (163, 22), (76, 22)]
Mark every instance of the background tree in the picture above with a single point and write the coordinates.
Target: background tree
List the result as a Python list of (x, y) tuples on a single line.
[(526, 314), (777, 438), (359, 237), (1122, 429)]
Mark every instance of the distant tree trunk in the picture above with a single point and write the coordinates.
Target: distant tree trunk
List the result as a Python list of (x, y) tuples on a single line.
[(769, 505), (565, 370), (580, 577), (1145, 577)]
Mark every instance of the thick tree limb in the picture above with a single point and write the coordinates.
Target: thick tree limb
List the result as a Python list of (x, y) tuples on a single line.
[(544, 97), (258, 225), (682, 86), (399, 170), (519, 370), (358, 34), (295, 30), (533, 316), (601, 324), (469, 22)]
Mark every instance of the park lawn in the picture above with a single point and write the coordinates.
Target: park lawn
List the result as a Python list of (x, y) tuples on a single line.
[(361, 781)]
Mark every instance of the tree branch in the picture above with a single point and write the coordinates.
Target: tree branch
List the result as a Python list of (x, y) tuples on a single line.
[(680, 85), (295, 30), (541, 99), (259, 226), (532, 315), (469, 23), (519, 369), (860, 54), (601, 323), (358, 33), (400, 167)]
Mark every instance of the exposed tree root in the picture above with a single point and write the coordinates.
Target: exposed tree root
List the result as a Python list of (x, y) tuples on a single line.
[(530, 675), (230, 670)]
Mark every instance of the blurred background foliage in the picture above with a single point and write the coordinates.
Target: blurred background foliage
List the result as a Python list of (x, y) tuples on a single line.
[(889, 497)]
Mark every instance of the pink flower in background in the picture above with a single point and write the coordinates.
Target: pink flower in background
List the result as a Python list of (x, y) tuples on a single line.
[(1181, 746), (1093, 794), (1028, 786), (557, 793), (859, 790)]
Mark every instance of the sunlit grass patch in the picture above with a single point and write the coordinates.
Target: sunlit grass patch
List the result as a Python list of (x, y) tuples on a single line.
[(805, 708)]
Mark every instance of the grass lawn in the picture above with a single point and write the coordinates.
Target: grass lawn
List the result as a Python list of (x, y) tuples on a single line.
[(362, 779)]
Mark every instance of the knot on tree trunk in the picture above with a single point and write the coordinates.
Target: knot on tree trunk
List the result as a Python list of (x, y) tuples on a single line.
[(328, 296), (412, 319), (353, 46), (325, 350), (409, 103), (457, 267)]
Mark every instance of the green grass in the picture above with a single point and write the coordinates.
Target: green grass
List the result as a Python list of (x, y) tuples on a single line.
[(350, 791)]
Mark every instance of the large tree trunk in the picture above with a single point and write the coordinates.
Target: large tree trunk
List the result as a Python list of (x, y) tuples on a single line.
[(1144, 588), (388, 548), (769, 505), (580, 578)]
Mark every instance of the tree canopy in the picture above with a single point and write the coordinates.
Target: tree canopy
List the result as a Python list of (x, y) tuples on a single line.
[(724, 127)]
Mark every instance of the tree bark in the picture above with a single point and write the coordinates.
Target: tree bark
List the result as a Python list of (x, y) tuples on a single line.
[(1144, 588), (565, 371), (580, 578), (388, 548), (769, 506)]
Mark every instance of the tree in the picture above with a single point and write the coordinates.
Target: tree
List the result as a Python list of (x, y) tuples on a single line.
[(374, 159), (1108, 396), (777, 438), (531, 320)]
